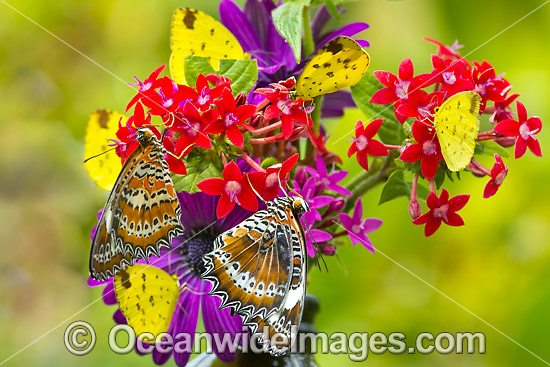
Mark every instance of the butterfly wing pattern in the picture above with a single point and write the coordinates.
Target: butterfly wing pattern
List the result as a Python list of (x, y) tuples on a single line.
[(339, 64), (258, 268), (457, 126), (147, 297), (142, 213), (196, 33)]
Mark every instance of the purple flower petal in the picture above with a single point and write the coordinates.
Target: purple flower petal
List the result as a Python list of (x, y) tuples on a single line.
[(234, 19), (119, 318), (371, 224), (339, 189), (109, 297), (346, 220), (349, 30), (319, 21), (220, 324), (96, 283), (320, 201), (334, 103), (358, 211)]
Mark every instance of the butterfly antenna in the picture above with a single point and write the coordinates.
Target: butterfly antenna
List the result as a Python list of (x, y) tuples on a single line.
[(108, 150), (280, 184), (255, 192)]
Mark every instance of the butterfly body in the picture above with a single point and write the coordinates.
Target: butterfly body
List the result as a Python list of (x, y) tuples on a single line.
[(457, 126), (142, 213), (258, 268), (339, 64), (147, 297)]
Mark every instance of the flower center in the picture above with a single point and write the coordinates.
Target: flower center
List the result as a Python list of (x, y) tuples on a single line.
[(145, 86), (230, 119), (361, 142), (429, 148), (356, 228), (284, 106), (525, 132), (232, 189), (441, 212), (203, 98), (449, 77), (167, 103), (402, 89), (194, 250)]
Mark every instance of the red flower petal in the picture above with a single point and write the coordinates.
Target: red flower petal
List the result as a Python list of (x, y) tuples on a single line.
[(432, 226), (507, 128), (372, 128), (522, 112), (458, 202), (232, 172), (235, 136), (376, 149), (428, 166), (225, 206), (534, 146), (212, 186), (384, 96), (454, 219), (411, 153), (248, 199)]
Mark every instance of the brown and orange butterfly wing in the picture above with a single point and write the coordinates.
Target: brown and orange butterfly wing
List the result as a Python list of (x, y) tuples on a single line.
[(258, 270), (142, 213)]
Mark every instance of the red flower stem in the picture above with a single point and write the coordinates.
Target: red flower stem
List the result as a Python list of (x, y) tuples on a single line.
[(266, 129), (414, 196), (251, 161), (260, 106), (268, 139), (432, 186), (340, 234), (393, 147), (480, 167)]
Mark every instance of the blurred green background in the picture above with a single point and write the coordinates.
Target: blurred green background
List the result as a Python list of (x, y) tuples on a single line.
[(497, 265)]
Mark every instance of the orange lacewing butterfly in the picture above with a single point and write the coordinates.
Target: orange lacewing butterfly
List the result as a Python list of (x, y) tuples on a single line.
[(258, 268), (142, 213)]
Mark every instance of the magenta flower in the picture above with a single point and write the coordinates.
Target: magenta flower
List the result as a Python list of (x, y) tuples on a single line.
[(313, 235), (442, 210), (330, 180), (498, 174), (525, 129), (358, 228)]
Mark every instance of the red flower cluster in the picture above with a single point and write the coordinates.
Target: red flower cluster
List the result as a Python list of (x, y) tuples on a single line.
[(193, 115), (451, 74)]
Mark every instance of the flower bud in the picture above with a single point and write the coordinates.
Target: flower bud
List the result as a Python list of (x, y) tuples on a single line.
[(240, 99), (336, 205), (328, 250), (415, 210), (507, 141), (301, 176)]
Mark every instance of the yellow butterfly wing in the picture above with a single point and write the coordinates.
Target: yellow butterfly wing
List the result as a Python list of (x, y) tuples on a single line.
[(147, 297), (337, 65), (196, 33), (103, 169), (457, 125)]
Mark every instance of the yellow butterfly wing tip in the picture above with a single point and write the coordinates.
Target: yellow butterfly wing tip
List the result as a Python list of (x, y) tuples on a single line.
[(196, 33), (339, 64), (104, 169), (147, 297), (457, 126)]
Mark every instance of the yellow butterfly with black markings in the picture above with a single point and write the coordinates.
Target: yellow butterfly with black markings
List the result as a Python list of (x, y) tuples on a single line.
[(196, 33), (339, 64), (457, 126), (147, 297), (104, 169)]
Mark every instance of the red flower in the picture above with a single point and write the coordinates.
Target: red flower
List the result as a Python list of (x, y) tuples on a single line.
[(147, 87), (498, 174), (234, 188), (282, 107), (192, 124), (176, 165), (525, 129), (167, 99), (277, 175), (127, 134), (364, 144), (450, 74), (487, 84), (420, 105), (231, 117), (426, 149), (203, 96), (442, 209), (397, 87)]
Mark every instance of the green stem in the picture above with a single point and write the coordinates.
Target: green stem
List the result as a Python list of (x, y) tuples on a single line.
[(309, 47), (365, 181)]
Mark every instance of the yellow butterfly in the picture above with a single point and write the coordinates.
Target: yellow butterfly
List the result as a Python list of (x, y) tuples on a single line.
[(104, 169), (337, 65), (147, 297), (196, 33), (457, 126)]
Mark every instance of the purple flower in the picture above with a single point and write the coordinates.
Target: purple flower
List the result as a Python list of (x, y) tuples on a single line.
[(358, 228), (255, 31), (311, 191), (329, 180), (312, 234), (185, 260)]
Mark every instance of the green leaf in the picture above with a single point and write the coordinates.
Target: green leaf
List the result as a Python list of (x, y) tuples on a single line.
[(395, 186), (440, 175), (243, 74), (422, 191), (489, 147), (391, 131), (197, 171), (288, 19), (193, 66)]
